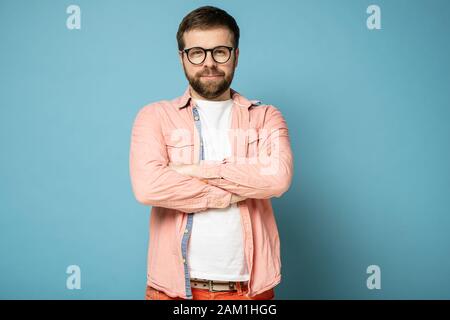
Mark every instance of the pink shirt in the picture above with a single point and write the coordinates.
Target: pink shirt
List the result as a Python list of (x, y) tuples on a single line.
[(261, 167)]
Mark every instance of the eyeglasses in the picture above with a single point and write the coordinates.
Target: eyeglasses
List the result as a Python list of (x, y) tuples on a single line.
[(197, 55)]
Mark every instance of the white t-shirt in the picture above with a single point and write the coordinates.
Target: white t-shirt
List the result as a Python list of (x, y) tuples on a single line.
[(216, 247)]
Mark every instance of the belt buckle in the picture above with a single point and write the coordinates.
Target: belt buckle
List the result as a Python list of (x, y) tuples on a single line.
[(210, 286)]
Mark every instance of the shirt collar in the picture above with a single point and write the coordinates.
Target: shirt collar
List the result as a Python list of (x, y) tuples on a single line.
[(237, 98)]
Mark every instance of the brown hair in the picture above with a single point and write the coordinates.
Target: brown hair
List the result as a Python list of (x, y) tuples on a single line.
[(207, 17)]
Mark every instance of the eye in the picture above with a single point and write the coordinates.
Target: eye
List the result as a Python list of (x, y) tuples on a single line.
[(196, 53), (220, 52)]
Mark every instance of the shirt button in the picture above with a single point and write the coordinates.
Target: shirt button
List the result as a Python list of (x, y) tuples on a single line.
[(186, 231), (196, 118), (184, 260)]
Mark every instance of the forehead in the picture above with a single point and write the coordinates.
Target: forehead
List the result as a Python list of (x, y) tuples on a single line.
[(208, 38)]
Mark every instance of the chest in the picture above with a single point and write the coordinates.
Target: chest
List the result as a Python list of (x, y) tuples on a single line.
[(232, 134)]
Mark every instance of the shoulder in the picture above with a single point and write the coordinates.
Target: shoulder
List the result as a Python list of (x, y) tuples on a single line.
[(266, 109), (153, 108), (262, 105), (150, 112), (265, 115)]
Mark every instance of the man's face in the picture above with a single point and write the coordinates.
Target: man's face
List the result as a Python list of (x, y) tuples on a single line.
[(209, 79)]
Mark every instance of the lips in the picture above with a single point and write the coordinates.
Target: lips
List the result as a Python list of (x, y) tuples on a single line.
[(212, 76)]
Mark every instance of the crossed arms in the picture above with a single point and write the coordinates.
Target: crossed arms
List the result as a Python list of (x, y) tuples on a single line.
[(197, 187)]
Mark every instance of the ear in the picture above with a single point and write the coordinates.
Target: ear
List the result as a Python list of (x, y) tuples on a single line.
[(236, 58), (180, 55)]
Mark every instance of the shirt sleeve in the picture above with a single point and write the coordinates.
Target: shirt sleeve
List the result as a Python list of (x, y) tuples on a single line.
[(267, 175), (154, 182)]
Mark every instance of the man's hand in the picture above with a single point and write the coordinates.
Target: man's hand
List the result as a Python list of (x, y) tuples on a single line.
[(235, 198)]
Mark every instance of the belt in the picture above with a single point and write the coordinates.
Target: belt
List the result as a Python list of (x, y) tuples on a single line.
[(215, 285)]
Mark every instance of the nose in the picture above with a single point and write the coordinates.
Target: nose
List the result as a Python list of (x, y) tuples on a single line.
[(209, 61)]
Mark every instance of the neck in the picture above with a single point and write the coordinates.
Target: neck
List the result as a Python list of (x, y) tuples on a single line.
[(224, 96)]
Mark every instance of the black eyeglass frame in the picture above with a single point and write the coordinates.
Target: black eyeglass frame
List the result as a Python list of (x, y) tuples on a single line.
[(230, 49)]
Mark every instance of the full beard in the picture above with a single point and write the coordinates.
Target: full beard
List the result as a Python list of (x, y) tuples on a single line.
[(210, 89)]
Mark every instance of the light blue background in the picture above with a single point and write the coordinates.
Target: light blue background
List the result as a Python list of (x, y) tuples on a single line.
[(368, 113)]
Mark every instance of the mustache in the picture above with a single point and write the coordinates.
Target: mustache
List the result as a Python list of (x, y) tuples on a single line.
[(210, 74)]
